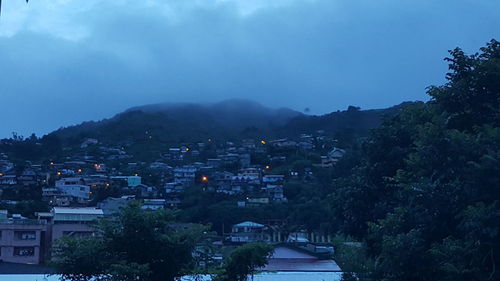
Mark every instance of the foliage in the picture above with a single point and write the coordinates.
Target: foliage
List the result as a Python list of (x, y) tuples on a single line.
[(425, 195), (243, 261), (138, 245)]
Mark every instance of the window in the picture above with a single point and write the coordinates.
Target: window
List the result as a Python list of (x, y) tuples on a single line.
[(24, 251), (25, 235)]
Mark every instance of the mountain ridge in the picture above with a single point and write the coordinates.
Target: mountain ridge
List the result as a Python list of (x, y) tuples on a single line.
[(234, 118)]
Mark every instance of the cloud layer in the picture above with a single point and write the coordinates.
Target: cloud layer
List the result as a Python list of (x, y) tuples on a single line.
[(67, 61)]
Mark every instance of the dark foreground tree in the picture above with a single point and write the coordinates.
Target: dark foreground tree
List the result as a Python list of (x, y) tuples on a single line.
[(139, 245), (426, 199), (244, 260)]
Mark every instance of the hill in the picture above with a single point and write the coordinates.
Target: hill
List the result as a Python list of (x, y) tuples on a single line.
[(181, 122)]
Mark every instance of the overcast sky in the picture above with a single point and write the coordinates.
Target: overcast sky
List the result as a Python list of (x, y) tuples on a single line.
[(67, 61)]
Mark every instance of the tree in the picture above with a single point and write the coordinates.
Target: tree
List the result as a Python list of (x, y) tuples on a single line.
[(138, 245), (243, 261), (425, 196)]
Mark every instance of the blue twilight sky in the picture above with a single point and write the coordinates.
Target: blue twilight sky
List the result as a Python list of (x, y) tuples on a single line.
[(67, 61)]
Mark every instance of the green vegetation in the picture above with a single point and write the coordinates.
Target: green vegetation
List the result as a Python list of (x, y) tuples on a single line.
[(425, 196), (244, 260), (138, 245), (420, 195)]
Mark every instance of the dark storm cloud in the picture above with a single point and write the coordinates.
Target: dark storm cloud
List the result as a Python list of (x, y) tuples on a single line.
[(327, 54)]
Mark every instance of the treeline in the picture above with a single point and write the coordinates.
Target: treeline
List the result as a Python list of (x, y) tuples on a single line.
[(425, 194)]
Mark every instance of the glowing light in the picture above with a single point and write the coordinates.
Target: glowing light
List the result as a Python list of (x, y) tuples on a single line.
[(80, 170), (263, 142), (59, 173), (268, 167), (136, 175), (1, 174), (51, 163), (107, 185), (204, 179), (187, 148)]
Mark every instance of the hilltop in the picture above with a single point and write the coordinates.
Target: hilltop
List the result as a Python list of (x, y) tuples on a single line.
[(230, 119)]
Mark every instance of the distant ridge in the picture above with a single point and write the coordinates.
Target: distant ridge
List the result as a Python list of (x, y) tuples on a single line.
[(235, 118)]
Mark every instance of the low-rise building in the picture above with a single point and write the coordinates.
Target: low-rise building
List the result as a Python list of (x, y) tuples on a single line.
[(75, 222), (248, 231), (22, 240)]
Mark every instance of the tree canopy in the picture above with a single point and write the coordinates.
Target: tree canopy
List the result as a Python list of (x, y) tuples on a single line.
[(244, 260), (138, 245), (426, 197)]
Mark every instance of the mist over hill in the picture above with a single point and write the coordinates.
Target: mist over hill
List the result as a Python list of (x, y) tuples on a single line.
[(227, 119)]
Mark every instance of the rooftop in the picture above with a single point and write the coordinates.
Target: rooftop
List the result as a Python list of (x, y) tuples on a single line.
[(249, 224), (77, 211)]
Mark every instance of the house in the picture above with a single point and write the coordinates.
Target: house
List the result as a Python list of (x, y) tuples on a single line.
[(273, 179), (160, 166), (173, 187), (74, 222), (336, 154), (285, 143), (251, 173), (153, 204), (74, 187), (174, 154), (275, 192), (22, 240), (131, 181), (56, 197), (27, 177), (331, 158), (185, 175), (100, 168), (145, 191), (8, 179), (242, 183), (248, 231)]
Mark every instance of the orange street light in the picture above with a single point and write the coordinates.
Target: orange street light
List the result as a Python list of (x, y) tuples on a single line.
[(263, 142), (204, 179)]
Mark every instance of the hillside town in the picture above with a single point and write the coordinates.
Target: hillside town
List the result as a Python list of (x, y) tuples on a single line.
[(96, 181)]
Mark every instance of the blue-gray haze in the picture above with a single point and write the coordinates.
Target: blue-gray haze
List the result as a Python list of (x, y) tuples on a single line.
[(66, 61)]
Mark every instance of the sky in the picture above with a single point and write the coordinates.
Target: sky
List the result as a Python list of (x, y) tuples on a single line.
[(63, 62)]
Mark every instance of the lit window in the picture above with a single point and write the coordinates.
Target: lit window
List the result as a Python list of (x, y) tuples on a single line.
[(24, 251)]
